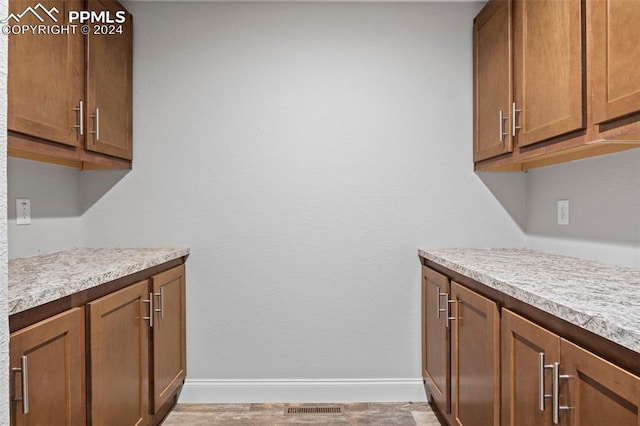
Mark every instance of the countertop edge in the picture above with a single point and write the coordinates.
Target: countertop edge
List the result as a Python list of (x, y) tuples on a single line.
[(617, 333)]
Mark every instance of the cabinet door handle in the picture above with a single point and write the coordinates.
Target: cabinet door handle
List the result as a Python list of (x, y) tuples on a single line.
[(97, 130), (501, 119), (24, 369), (150, 317), (447, 308), (556, 393), (439, 309), (161, 308), (80, 126), (514, 121), (541, 368)]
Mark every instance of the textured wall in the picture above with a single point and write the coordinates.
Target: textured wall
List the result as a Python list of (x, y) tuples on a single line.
[(55, 207), (303, 151), (4, 326), (604, 208)]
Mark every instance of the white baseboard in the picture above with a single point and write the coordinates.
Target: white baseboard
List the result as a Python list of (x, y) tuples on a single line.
[(302, 391)]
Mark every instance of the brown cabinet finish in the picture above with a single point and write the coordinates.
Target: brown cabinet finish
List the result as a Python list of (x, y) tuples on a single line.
[(436, 347), (575, 88), (476, 358), (119, 346), (109, 71), (168, 335), (548, 69), (70, 95), (615, 57), (46, 77), (523, 342), (53, 353), (492, 73), (597, 392)]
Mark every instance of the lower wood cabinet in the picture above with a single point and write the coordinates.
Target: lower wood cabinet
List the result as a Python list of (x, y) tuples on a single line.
[(47, 377), (130, 341), (169, 363), (526, 383), (461, 351), (487, 366), (119, 336), (138, 350), (436, 336), (476, 358), (548, 380)]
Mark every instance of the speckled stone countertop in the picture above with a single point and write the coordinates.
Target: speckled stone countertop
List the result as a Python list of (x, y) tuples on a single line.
[(36, 280), (600, 298)]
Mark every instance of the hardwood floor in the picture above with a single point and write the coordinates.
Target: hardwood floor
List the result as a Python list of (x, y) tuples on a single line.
[(387, 414)]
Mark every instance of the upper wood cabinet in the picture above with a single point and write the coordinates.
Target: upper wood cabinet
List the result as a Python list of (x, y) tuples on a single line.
[(48, 371), (492, 73), (70, 94), (46, 78), (548, 69), (109, 74), (615, 55), (575, 91)]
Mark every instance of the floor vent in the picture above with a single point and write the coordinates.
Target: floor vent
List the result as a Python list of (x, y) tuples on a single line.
[(313, 410)]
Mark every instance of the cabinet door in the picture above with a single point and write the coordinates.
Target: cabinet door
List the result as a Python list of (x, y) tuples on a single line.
[(436, 352), (119, 337), (598, 392), (526, 349), (548, 69), (46, 75), (109, 74), (169, 348), (476, 358), (492, 80), (614, 56), (49, 357)]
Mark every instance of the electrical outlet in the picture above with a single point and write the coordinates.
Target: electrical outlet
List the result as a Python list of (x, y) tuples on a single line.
[(23, 211), (563, 212)]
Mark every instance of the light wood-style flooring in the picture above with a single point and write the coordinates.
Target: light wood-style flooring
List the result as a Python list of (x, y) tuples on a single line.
[(383, 414)]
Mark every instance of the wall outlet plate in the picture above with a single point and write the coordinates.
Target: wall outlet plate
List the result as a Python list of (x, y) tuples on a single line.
[(563, 212), (23, 211)]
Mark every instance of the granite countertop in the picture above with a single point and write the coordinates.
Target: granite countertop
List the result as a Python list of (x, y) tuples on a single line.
[(600, 298), (36, 280)]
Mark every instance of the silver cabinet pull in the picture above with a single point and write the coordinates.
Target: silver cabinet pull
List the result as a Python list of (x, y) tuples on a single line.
[(501, 119), (438, 308), (541, 368), (447, 308), (97, 130), (514, 119), (80, 126), (556, 393), (24, 369), (150, 317), (161, 308)]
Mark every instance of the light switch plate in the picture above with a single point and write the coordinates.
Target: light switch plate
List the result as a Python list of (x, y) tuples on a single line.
[(23, 211), (563, 212)]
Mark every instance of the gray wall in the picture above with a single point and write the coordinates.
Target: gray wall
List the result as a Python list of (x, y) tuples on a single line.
[(303, 152), (4, 326), (55, 207), (604, 208)]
